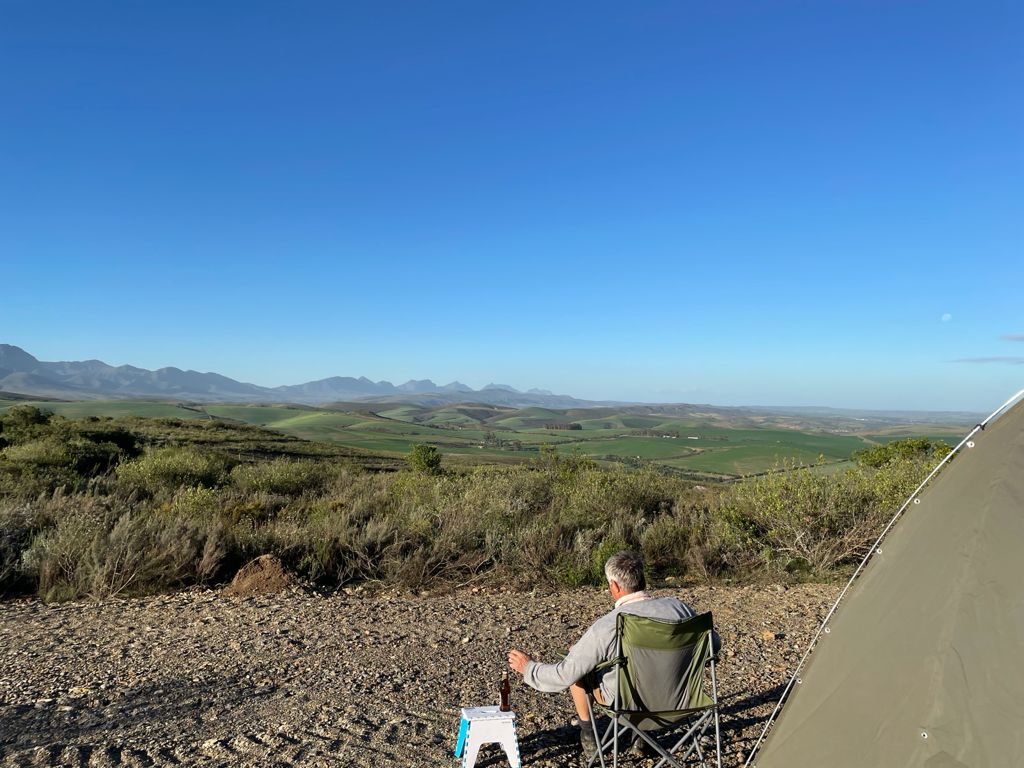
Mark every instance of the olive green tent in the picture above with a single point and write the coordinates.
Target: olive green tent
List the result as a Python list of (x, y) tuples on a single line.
[(923, 663)]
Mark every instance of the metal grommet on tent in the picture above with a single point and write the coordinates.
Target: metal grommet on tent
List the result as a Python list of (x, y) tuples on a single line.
[(970, 443), (878, 551), (917, 501), (828, 630), (924, 734), (798, 681)]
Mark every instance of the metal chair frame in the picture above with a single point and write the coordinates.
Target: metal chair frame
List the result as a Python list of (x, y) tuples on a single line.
[(620, 719)]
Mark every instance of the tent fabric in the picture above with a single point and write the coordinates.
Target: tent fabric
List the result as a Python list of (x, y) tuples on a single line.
[(923, 664)]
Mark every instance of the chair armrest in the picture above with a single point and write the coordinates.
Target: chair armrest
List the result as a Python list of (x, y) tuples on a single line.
[(610, 663)]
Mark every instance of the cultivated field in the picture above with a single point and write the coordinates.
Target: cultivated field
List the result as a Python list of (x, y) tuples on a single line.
[(705, 443)]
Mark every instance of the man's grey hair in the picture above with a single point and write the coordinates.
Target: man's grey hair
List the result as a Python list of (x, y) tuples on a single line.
[(627, 570)]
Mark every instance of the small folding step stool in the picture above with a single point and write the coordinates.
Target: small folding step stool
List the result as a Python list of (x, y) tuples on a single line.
[(484, 725)]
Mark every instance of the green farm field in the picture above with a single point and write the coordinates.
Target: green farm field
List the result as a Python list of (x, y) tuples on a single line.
[(110, 409), (705, 442)]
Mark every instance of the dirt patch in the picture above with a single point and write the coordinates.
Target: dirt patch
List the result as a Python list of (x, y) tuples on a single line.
[(341, 681), (263, 576)]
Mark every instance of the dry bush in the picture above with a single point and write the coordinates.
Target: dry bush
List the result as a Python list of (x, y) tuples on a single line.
[(18, 524), (93, 550), (140, 553), (289, 477), (666, 542), (164, 470), (56, 556), (802, 522), (178, 516)]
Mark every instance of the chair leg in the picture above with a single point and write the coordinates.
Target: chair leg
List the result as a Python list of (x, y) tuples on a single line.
[(700, 752), (666, 756), (693, 732), (599, 752), (714, 697), (718, 741), (606, 739)]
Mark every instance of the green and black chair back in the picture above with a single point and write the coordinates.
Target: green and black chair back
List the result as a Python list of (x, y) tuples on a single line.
[(661, 686)]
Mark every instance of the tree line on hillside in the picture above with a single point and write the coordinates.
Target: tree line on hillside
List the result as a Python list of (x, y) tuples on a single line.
[(101, 507)]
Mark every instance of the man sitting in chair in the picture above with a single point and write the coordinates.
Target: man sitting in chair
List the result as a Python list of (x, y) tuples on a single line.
[(626, 583)]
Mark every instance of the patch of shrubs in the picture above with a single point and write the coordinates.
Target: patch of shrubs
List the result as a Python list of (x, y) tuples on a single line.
[(166, 469), (898, 450), (92, 509), (42, 453), (283, 476)]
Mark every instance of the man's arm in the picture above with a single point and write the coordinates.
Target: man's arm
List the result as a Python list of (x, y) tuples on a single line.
[(517, 660), (589, 651)]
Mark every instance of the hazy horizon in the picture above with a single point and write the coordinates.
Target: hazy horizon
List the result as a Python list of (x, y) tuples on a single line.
[(732, 204), (527, 387)]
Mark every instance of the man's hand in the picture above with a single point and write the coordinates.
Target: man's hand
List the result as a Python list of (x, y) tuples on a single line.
[(518, 660)]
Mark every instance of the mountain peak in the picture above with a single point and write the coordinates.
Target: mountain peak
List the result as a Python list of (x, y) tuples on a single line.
[(16, 359), (22, 373), (417, 385)]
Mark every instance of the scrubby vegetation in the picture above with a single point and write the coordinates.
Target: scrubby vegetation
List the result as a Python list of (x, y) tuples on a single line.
[(99, 507)]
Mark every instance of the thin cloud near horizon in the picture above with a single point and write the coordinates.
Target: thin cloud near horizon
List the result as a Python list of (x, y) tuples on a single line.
[(1008, 359)]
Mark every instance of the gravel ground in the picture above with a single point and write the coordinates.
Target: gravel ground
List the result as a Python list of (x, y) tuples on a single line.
[(346, 680)]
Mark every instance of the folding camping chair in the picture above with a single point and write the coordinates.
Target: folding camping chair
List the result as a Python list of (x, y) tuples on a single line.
[(660, 666)]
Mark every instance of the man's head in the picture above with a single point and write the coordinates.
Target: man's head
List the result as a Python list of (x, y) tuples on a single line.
[(625, 570)]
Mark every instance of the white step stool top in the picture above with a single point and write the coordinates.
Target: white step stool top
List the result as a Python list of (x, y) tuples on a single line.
[(486, 713)]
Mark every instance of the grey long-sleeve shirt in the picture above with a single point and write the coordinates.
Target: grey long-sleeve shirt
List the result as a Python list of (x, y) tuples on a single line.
[(598, 645)]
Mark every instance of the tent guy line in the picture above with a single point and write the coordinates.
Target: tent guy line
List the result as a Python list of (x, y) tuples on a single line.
[(875, 549)]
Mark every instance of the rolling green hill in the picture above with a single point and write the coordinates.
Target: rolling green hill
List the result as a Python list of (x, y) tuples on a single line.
[(698, 440)]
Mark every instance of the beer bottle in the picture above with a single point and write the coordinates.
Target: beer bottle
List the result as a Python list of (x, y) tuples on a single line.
[(503, 693)]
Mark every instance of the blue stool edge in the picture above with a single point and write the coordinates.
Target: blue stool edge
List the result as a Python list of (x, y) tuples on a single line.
[(461, 742)]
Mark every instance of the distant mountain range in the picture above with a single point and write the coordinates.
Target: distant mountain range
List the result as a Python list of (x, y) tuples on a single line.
[(23, 374)]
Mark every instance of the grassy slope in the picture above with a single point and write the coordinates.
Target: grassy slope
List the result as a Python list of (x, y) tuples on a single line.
[(112, 408), (467, 433)]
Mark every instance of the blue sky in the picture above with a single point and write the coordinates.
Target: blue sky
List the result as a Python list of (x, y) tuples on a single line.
[(780, 203)]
